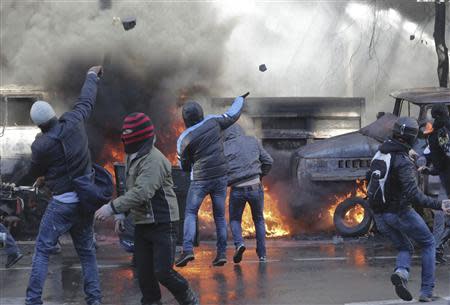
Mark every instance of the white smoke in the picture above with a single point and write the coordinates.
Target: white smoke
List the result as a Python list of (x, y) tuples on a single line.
[(330, 48)]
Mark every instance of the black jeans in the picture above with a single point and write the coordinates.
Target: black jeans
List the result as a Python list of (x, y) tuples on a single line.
[(155, 253)]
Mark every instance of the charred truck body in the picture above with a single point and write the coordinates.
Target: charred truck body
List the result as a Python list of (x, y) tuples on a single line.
[(338, 161)]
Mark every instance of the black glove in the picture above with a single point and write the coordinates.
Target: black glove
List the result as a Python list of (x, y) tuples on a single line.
[(245, 95)]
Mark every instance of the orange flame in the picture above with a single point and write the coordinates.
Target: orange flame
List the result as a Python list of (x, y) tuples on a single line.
[(275, 224), (166, 141), (112, 152), (353, 216)]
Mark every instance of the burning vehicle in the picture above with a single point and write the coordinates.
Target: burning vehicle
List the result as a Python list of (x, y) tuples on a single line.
[(340, 163), (321, 155)]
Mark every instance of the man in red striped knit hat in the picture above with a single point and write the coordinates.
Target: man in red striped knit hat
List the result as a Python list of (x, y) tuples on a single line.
[(151, 200)]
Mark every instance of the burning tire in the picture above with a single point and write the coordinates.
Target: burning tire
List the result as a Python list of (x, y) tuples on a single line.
[(353, 217)]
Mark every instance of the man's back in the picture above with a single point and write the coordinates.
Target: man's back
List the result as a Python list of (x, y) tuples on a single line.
[(246, 157), (206, 149), (61, 152), (200, 147), (402, 188)]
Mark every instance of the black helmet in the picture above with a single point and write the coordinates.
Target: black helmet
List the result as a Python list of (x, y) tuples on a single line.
[(406, 129), (192, 113), (439, 111)]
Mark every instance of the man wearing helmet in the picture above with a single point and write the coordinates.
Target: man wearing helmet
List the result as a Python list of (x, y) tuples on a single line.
[(398, 221)]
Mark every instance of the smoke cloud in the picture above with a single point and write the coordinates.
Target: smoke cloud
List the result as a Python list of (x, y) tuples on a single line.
[(199, 49), (174, 48)]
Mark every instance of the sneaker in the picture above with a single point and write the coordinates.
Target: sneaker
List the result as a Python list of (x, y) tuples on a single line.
[(237, 257), (401, 288), (433, 298), (13, 259), (220, 260), (263, 259), (188, 298), (184, 259)]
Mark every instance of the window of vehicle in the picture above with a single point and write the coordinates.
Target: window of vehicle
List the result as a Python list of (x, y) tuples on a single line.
[(16, 110), (410, 110)]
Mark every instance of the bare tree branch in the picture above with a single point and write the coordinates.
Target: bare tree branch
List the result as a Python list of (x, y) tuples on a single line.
[(439, 41)]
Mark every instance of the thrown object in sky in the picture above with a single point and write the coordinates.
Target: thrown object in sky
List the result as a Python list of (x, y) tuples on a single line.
[(412, 37), (262, 68), (128, 23)]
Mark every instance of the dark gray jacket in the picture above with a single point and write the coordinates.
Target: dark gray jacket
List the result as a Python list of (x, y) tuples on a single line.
[(247, 159), (200, 147), (402, 188)]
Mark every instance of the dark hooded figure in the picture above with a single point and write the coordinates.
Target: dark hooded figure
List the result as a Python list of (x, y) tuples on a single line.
[(200, 152), (398, 220), (248, 162), (440, 167), (152, 203)]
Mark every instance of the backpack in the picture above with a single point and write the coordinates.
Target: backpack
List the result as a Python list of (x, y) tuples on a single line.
[(443, 139), (378, 176), (95, 188)]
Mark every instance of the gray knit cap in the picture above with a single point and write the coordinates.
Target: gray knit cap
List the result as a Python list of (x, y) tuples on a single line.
[(41, 112)]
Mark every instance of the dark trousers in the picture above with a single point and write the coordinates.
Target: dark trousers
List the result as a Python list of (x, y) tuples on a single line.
[(403, 227), (441, 228), (155, 253), (198, 190), (239, 197), (60, 218)]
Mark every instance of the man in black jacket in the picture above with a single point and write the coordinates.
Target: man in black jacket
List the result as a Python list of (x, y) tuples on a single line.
[(60, 154), (248, 162), (440, 167), (200, 151), (399, 222)]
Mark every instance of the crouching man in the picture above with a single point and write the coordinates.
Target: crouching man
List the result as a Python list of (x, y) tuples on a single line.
[(248, 161), (396, 218), (150, 198)]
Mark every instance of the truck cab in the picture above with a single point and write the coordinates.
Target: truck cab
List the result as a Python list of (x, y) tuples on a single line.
[(337, 163)]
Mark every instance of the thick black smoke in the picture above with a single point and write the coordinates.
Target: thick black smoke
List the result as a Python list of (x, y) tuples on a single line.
[(174, 49)]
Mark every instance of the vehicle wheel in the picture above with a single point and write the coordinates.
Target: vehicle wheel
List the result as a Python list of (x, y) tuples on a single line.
[(353, 217)]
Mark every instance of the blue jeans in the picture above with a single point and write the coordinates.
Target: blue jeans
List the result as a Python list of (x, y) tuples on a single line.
[(58, 219), (238, 199), (441, 231), (403, 227), (10, 245), (198, 190)]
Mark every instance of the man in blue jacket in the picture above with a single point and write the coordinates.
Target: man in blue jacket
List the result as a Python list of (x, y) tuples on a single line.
[(200, 151), (60, 154), (248, 162)]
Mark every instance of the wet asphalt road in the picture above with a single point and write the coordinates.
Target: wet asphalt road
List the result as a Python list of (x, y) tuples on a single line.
[(297, 272)]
